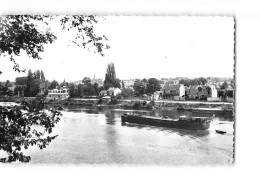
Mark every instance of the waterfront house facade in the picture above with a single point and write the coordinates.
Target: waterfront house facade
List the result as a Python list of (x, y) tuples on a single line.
[(103, 93), (193, 92), (62, 93), (113, 91), (157, 95), (171, 90), (213, 93), (203, 92)]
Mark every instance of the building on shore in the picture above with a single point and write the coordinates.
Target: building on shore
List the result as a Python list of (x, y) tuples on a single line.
[(103, 93), (213, 93), (110, 92), (171, 90), (113, 91), (157, 95), (62, 93), (128, 83)]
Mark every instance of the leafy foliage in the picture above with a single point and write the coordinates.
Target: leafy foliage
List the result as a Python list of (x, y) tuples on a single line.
[(72, 90), (113, 101), (5, 91), (53, 85), (110, 78), (20, 129), (195, 81), (33, 82), (22, 81), (139, 87), (96, 88), (137, 104), (127, 92), (152, 85), (21, 33), (86, 81), (224, 85), (85, 89), (85, 35)]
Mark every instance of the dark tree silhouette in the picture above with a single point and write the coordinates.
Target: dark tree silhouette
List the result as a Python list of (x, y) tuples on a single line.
[(152, 85), (139, 87), (20, 33), (110, 77), (17, 129), (53, 84)]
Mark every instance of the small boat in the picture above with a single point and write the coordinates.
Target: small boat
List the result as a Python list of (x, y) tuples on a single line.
[(220, 132), (184, 122)]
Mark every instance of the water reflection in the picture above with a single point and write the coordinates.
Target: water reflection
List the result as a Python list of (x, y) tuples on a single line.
[(96, 135), (180, 132)]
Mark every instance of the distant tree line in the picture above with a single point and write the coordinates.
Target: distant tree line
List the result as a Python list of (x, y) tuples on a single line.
[(195, 81), (30, 84), (4, 88), (89, 88), (145, 86)]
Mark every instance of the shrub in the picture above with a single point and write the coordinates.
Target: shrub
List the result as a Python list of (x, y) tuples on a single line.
[(113, 101), (152, 103), (149, 106), (119, 96), (126, 105), (100, 101), (137, 105)]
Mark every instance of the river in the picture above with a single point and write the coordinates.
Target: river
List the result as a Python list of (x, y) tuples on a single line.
[(97, 136)]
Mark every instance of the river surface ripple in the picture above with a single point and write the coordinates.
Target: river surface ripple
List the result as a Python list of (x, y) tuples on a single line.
[(97, 136)]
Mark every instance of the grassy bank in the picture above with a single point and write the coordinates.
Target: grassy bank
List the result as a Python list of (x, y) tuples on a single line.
[(126, 104)]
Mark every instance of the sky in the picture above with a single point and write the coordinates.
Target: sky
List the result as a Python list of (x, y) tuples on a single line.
[(141, 47)]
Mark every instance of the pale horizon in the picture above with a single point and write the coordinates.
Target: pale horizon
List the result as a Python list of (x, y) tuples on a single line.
[(141, 47)]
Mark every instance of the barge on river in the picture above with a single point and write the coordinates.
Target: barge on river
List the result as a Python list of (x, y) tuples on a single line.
[(184, 122)]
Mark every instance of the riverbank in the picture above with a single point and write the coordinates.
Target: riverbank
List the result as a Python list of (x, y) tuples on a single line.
[(133, 104)]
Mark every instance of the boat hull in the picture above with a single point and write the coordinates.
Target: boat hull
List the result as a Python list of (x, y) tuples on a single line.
[(189, 125)]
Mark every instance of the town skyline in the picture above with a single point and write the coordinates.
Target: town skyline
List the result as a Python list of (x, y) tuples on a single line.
[(167, 78)]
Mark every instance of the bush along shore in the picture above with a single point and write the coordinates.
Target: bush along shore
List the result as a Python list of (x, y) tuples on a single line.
[(125, 104)]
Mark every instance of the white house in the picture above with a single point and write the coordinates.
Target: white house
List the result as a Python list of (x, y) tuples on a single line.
[(103, 93), (113, 91), (62, 93), (214, 92), (157, 95), (173, 90)]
